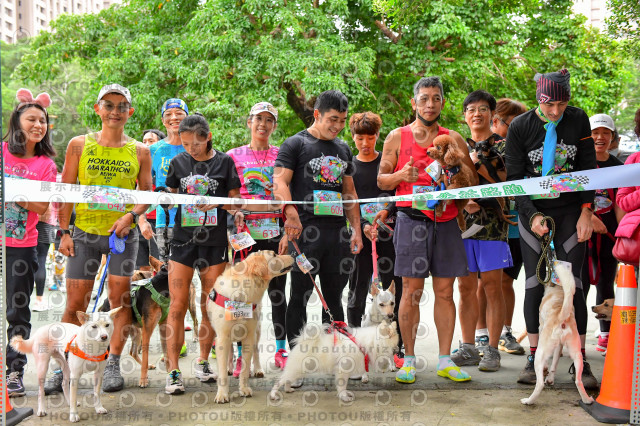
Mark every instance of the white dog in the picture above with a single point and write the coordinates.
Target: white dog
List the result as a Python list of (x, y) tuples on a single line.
[(319, 349), (244, 282), (557, 329), (87, 349)]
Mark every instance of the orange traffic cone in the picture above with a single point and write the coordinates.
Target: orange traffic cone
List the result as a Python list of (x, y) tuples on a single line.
[(13, 416), (613, 405)]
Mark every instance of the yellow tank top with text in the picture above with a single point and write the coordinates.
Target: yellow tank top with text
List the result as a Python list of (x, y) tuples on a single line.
[(106, 169)]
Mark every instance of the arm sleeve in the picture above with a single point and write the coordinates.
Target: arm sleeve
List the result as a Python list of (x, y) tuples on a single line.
[(516, 158), (586, 156)]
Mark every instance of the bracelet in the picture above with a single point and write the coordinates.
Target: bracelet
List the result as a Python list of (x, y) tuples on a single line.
[(533, 217)]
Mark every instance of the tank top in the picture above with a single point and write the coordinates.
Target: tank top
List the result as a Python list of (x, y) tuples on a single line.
[(107, 167), (409, 148)]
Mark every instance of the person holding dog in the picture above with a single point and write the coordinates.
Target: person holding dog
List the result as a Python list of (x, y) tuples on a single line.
[(424, 244), (107, 159), (316, 165), (553, 138), (600, 266), (199, 239), (365, 130), (255, 163), (485, 242), (27, 154)]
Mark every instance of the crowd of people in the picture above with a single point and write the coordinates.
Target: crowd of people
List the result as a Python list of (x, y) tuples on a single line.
[(507, 142)]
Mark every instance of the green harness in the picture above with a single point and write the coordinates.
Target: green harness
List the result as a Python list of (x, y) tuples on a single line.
[(161, 300)]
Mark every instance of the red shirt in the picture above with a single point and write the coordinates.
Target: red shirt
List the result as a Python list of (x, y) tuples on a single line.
[(409, 148)]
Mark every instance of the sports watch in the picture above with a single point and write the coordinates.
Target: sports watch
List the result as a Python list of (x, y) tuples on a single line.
[(135, 216)]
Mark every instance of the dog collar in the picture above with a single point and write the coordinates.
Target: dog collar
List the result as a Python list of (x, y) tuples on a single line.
[(341, 328), (219, 299), (74, 349)]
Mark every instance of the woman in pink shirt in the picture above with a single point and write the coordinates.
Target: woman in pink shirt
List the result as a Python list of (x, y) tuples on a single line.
[(27, 152)]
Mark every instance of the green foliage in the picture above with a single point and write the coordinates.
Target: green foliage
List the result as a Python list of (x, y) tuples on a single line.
[(623, 22), (222, 56)]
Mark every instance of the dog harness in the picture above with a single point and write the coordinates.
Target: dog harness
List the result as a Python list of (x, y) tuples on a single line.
[(219, 299), (451, 172), (341, 328), (161, 300), (74, 349)]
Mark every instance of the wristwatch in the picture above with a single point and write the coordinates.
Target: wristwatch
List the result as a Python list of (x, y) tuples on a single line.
[(135, 216), (62, 232)]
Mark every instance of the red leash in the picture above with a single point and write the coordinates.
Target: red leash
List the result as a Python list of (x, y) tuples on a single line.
[(324, 303), (374, 255)]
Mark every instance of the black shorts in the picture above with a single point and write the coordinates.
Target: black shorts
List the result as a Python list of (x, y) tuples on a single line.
[(516, 256), (201, 257)]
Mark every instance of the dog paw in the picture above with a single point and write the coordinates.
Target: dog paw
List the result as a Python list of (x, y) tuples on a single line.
[(550, 380), (347, 396), (365, 379), (526, 401), (41, 413), (74, 417), (152, 367), (143, 383), (101, 410), (259, 374), (274, 395), (588, 400), (222, 397), (245, 391)]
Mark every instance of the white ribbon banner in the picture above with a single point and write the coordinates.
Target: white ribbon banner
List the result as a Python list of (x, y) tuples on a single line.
[(586, 180)]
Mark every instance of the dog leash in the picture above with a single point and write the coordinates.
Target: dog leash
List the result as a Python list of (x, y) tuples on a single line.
[(375, 279), (547, 254), (116, 246)]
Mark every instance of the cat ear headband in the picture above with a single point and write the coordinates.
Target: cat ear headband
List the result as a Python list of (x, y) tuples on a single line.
[(25, 96)]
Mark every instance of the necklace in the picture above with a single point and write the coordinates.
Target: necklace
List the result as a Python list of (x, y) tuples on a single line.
[(264, 160)]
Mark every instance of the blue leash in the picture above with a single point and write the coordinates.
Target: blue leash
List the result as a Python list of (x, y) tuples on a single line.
[(116, 246)]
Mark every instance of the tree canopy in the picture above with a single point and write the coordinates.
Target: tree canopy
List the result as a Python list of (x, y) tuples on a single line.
[(222, 56)]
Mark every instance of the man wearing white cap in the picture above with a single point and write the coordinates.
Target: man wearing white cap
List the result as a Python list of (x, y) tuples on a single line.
[(600, 266), (107, 160)]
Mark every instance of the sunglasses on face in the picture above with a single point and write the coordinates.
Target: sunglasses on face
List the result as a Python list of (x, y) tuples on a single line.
[(109, 106)]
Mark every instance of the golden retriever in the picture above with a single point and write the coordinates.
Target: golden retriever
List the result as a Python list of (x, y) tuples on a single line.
[(244, 282)]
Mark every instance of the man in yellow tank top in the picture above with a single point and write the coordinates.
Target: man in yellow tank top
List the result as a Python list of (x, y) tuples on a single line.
[(107, 160)]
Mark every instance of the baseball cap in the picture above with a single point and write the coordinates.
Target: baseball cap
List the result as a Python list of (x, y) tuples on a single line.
[(114, 88), (174, 103), (264, 106), (602, 120)]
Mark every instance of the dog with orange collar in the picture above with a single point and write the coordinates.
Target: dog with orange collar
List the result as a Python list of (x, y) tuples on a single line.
[(76, 349)]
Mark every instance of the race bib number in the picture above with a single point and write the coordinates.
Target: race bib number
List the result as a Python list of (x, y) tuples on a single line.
[(16, 221), (418, 202), (241, 241), (191, 216), (554, 276), (544, 196), (237, 310), (263, 229), (304, 264), (106, 198), (370, 210), (331, 206)]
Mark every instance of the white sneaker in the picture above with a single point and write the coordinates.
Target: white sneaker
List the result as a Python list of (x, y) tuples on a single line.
[(40, 306), (204, 373), (174, 385)]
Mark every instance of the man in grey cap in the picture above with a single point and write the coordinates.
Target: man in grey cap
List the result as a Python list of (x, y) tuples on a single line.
[(553, 138), (107, 160)]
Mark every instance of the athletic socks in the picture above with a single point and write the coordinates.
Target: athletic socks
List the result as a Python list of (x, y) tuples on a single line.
[(444, 361), (533, 351), (407, 374), (409, 361), (506, 329), (482, 332), (239, 350), (115, 358), (584, 355), (281, 344)]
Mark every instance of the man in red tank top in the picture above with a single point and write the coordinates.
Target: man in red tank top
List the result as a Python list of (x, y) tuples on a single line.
[(424, 244)]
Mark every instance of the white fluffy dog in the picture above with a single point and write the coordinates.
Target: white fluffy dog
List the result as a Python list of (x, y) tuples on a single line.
[(319, 349), (557, 329)]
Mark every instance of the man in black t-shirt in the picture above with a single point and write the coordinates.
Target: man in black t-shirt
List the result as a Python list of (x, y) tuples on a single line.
[(314, 165), (553, 138)]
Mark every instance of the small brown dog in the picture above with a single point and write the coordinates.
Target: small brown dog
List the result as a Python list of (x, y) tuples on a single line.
[(604, 310), (445, 151)]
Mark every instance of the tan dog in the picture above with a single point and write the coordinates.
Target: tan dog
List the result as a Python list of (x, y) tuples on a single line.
[(604, 310), (445, 151), (557, 329), (243, 282), (87, 347)]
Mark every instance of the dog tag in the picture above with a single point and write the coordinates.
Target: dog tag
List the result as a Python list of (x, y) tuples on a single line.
[(241, 241), (554, 276), (234, 310), (304, 264)]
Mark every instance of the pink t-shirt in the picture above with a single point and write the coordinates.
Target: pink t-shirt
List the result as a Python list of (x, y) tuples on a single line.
[(20, 222), (255, 169)]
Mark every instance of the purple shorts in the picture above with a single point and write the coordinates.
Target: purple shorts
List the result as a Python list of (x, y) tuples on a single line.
[(483, 256)]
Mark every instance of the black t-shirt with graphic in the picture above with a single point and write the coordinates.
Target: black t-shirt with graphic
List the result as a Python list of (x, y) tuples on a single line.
[(318, 166), (575, 151), (214, 177)]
